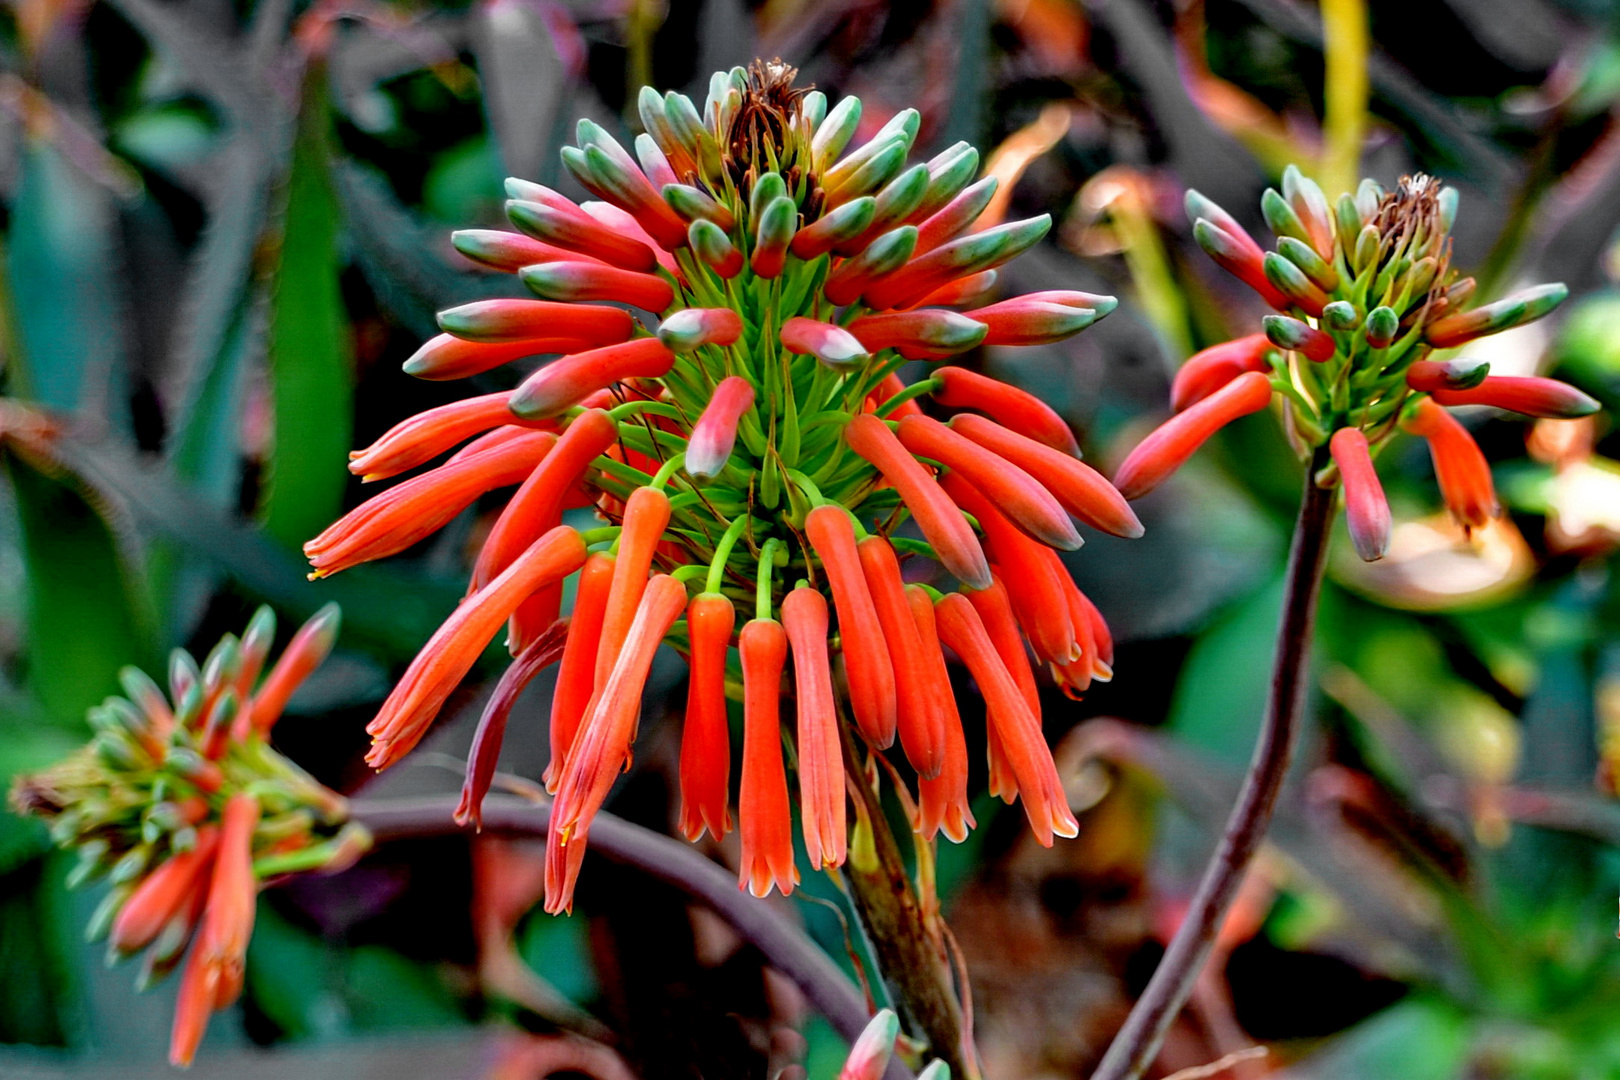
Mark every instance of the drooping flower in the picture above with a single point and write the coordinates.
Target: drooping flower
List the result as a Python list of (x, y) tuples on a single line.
[(181, 804), (1367, 294), (743, 452)]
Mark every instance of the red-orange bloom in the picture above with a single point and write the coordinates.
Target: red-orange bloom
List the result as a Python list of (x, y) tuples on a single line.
[(762, 806), (164, 893), (942, 802), (1177, 439), (569, 380), (486, 744), (449, 357), (451, 652), (407, 512), (1207, 370), (960, 388), (426, 435), (821, 761), (602, 745), (646, 513), (706, 737), (715, 432), (1078, 488), (919, 697), (576, 677), (938, 518), (1459, 467), (1045, 803), (1015, 492), (310, 646), (866, 655), (213, 973), (1366, 511), (1529, 396)]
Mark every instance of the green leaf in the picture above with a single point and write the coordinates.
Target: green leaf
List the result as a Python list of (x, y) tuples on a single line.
[(311, 373), (84, 621), (1417, 1039), (1222, 690)]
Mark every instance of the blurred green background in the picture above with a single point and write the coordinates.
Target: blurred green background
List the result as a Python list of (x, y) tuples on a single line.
[(225, 223)]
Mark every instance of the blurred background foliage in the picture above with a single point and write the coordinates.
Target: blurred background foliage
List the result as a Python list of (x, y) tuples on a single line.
[(225, 223)]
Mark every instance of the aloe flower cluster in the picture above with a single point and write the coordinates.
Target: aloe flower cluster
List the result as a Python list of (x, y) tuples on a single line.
[(180, 804), (729, 319), (1371, 308)]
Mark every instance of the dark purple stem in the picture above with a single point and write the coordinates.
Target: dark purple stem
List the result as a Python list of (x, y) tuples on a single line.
[(785, 946), (1137, 1044)]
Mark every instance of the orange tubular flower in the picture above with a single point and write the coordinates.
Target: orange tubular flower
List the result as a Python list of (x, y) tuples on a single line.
[(995, 611), (920, 699), (1078, 488), (1019, 495), (310, 646), (571, 379), (706, 737), (1009, 406), (213, 974), (942, 802), (766, 824), (1208, 370), (446, 658), (1037, 592), (645, 516), (1461, 470), (451, 357), (821, 762), (164, 893), (602, 745), (1045, 803), (427, 435), (402, 515), (866, 654), (576, 677), (1544, 398), (1172, 443), (1366, 510), (938, 518), (739, 464)]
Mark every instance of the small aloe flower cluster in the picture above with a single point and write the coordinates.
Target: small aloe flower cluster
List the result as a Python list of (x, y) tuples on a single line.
[(754, 453), (1368, 296), (182, 806), (869, 1056)]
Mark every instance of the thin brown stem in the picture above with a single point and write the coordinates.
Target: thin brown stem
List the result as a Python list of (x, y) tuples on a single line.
[(784, 945), (1137, 1044), (910, 952)]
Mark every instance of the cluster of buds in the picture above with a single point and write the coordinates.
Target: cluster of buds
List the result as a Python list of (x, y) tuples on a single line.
[(1368, 297), (180, 804), (869, 1056), (756, 450)]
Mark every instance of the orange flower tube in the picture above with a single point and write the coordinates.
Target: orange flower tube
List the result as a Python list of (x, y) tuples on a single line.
[(576, 676), (537, 506), (919, 698), (486, 744), (1045, 803), (1366, 511), (1169, 445), (706, 736), (449, 357), (568, 380), (645, 516), (1007, 405), (1208, 370), (942, 802), (1074, 676), (310, 646), (455, 646), (1036, 591), (1078, 488), (866, 654), (509, 321), (164, 893), (1460, 468), (995, 611), (1015, 492), (939, 519), (762, 805), (1529, 396), (602, 745), (213, 975), (427, 435), (821, 761), (402, 515)]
